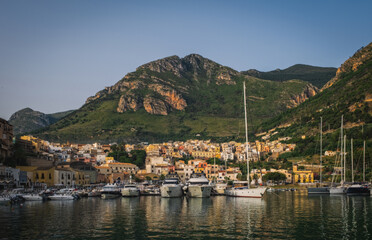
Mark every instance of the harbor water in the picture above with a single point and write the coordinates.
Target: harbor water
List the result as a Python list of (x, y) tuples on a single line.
[(283, 215)]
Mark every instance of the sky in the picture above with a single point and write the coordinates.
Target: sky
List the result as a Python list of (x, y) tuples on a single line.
[(55, 54)]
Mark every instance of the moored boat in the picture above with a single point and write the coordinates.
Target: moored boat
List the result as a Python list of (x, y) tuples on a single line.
[(198, 186), (130, 190), (241, 189), (110, 191), (32, 197), (358, 190), (171, 188), (219, 188)]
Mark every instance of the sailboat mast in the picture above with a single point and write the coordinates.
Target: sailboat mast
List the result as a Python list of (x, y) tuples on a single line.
[(214, 168), (352, 162), (345, 158), (321, 150), (364, 161), (246, 132), (341, 151)]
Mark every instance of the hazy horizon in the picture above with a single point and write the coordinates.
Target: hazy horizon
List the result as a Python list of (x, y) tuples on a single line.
[(55, 54)]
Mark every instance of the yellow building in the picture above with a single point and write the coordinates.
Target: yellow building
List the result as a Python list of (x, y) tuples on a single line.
[(205, 154), (44, 175), (302, 176), (80, 177)]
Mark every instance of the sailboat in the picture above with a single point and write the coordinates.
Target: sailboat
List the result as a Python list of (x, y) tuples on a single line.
[(239, 189), (356, 189), (319, 190), (340, 189)]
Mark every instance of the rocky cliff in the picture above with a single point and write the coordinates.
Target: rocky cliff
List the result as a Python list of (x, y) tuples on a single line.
[(363, 55), (308, 92)]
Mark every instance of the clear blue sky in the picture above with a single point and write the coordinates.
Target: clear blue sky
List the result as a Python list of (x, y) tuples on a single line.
[(55, 54)]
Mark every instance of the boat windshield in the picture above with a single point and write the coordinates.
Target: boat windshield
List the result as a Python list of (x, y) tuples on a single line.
[(170, 181)]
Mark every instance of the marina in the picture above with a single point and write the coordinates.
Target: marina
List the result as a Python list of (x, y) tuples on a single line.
[(283, 215)]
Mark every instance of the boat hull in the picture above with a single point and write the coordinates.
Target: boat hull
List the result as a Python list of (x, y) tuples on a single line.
[(358, 191), (199, 191), (337, 190), (33, 197), (246, 192), (130, 192), (110, 195), (61, 197), (318, 190), (171, 191)]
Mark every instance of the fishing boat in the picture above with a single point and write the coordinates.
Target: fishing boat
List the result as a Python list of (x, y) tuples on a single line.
[(242, 188)]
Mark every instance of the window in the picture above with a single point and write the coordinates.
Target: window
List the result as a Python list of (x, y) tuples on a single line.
[(37, 176), (62, 176), (42, 176), (50, 176), (68, 176)]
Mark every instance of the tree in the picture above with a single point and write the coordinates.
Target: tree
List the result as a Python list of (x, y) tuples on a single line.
[(274, 176), (162, 177)]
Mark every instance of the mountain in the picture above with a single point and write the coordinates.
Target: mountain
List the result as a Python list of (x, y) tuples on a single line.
[(349, 94), (27, 120), (317, 76), (177, 98)]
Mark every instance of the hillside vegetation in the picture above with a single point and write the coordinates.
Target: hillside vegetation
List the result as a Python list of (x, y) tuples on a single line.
[(177, 98), (349, 94)]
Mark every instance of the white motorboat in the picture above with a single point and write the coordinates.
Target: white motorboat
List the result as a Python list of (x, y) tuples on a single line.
[(130, 190), (4, 199), (61, 196), (32, 197), (110, 191), (241, 189), (171, 188), (64, 194), (198, 186)]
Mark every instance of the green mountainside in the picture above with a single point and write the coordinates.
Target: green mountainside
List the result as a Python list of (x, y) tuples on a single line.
[(177, 98), (317, 76), (349, 94), (27, 120)]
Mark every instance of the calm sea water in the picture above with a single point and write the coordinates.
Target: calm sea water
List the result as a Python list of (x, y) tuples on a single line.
[(286, 215)]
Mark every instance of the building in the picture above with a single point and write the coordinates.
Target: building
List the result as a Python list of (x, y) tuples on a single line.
[(44, 175), (6, 138), (302, 176)]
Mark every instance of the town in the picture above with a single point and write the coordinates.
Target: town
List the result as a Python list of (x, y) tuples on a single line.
[(39, 163)]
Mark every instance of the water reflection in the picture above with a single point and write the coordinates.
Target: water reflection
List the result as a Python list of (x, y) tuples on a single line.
[(283, 215)]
